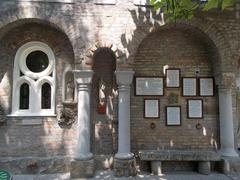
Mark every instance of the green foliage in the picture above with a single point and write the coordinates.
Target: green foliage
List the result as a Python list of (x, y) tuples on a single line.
[(185, 9)]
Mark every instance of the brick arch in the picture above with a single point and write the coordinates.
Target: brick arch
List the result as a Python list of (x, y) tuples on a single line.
[(12, 18), (102, 45), (207, 29)]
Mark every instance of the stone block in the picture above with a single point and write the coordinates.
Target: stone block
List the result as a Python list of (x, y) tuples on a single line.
[(125, 167), (204, 167), (82, 168), (156, 167), (229, 165)]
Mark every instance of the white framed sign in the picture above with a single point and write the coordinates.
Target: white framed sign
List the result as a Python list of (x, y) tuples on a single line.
[(173, 78), (206, 86), (151, 108), (149, 86), (189, 86), (195, 108), (173, 115)]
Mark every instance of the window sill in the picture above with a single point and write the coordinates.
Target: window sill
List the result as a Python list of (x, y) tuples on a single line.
[(31, 115)]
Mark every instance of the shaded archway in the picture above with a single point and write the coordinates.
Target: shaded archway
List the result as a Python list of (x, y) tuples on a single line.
[(103, 102)]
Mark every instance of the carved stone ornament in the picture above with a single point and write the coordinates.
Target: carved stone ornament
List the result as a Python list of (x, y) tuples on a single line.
[(67, 115), (173, 98), (226, 80), (2, 115)]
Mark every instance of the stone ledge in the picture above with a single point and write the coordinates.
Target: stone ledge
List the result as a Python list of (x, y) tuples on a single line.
[(82, 169), (179, 155)]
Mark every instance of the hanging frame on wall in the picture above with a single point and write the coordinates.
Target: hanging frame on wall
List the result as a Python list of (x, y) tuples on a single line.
[(173, 77), (194, 108), (206, 86), (173, 115), (151, 108), (189, 86), (149, 86)]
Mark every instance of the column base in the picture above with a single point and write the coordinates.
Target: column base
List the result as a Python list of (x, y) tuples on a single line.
[(204, 167), (229, 152), (124, 167), (156, 167), (229, 165), (82, 168)]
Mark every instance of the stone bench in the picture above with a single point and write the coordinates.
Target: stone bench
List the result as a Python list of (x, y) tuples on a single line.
[(203, 157)]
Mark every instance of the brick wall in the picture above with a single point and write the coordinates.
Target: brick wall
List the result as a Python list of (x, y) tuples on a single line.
[(129, 28), (178, 48), (47, 138)]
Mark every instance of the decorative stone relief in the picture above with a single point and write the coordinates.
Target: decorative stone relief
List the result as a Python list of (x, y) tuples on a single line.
[(173, 98), (69, 88), (226, 80), (2, 115), (67, 115)]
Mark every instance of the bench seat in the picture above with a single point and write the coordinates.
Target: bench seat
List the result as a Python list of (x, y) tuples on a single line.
[(203, 157)]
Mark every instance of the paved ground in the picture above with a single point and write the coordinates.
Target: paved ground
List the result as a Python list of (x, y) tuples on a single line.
[(102, 175)]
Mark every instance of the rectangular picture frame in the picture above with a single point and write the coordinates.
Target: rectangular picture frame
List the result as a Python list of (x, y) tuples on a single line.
[(173, 115), (189, 87), (173, 77), (206, 86), (151, 108), (195, 108), (149, 86)]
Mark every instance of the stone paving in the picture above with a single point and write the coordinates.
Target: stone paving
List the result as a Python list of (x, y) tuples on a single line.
[(102, 175)]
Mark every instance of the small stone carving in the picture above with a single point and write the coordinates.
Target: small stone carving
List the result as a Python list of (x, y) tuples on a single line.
[(70, 91), (2, 115), (67, 116), (102, 97), (173, 98)]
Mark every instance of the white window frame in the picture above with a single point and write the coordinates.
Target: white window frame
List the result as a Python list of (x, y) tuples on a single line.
[(34, 80)]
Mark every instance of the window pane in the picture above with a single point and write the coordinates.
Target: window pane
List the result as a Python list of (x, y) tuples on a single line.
[(24, 96), (46, 96), (37, 61)]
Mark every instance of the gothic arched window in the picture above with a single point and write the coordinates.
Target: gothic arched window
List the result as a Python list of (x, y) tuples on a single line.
[(34, 80)]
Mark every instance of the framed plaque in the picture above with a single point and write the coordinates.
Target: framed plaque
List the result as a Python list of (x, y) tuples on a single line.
[(189, 86), (173, 78), (149, 86), (173, 115), (151, 108), (206, 85), (195, 108)]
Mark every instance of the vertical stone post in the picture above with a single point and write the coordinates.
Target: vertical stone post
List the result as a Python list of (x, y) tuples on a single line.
[(124, 162), (83, 164), (226, 117)]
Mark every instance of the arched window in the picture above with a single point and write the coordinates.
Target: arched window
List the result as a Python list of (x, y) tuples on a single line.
[(24, 96), (46, 96), (35, 64)]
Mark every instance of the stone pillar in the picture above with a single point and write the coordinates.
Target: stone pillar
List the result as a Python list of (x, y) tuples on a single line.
[(83, 164), (124, 162), (226, 117)]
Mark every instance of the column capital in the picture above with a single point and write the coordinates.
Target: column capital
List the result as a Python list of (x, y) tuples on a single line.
[(225, 81), (83, 76), (124, 77)]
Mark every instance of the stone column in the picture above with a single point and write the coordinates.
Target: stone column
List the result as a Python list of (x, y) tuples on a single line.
[(226, 117), (124, 162), (83, 164)]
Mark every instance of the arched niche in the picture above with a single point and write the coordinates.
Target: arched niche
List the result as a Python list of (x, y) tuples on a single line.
[(104, 101), (69, 93)]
